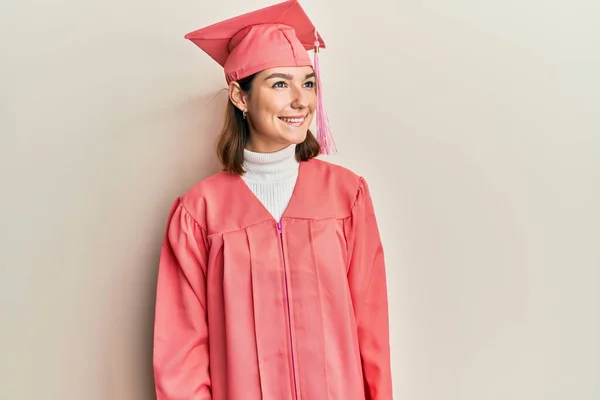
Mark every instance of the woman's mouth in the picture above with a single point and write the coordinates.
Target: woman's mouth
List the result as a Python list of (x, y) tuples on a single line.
[(294, 121)]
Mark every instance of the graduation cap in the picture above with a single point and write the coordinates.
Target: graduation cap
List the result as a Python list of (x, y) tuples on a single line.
[(276, 36)]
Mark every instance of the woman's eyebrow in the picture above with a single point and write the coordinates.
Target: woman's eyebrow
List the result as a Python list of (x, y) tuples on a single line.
[(281, 76), (289, 77)]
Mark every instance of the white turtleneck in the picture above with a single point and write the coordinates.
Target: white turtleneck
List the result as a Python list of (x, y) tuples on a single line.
[(272, 177)]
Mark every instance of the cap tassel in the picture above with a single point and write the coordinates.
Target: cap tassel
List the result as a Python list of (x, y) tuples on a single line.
[(324, 135)]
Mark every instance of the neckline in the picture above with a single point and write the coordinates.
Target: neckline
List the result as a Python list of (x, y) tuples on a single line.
[(260, 206)]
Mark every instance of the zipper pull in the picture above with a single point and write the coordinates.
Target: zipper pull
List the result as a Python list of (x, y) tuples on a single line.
[(279, 227)]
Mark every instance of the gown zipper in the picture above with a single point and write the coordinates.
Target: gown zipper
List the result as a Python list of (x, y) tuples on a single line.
[(287, 298)]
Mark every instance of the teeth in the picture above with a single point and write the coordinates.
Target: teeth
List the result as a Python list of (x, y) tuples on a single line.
[(292, 120)]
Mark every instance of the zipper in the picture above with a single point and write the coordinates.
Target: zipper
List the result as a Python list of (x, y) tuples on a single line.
[(287, 298)]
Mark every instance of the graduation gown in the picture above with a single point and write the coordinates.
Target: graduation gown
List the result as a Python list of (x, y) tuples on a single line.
[(250, 308)]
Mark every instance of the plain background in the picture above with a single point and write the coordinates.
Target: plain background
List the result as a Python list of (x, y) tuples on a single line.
[(476, 124)]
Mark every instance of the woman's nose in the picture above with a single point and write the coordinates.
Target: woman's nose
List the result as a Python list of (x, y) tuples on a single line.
[(300, 99)]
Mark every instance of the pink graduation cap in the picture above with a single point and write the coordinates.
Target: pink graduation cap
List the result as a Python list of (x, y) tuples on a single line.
[(275, 36)]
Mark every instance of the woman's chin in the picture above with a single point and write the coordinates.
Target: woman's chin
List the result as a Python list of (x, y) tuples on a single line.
[(295, 137)]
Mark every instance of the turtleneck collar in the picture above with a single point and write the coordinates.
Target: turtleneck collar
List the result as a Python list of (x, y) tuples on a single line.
[(271, 167)]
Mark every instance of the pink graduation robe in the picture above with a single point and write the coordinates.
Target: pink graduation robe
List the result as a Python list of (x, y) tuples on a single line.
[(248, 308)]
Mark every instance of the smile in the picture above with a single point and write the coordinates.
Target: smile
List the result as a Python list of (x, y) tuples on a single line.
[(293, 121)]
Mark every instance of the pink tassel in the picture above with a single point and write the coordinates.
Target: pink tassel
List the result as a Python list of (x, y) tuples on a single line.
[(324, 135)]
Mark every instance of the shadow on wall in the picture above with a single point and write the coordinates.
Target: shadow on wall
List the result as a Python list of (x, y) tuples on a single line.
[(202, 122), (203, 119)]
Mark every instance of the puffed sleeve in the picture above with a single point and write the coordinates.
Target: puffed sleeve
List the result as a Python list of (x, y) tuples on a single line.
[(368, 289), (180, 359)]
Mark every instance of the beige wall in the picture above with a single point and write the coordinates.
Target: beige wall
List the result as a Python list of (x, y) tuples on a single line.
[(476, 124)]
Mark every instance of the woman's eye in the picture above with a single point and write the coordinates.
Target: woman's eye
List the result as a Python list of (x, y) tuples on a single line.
[(310, 84), (280, 84)]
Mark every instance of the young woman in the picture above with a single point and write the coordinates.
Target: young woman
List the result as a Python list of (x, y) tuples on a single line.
[(272, 281)]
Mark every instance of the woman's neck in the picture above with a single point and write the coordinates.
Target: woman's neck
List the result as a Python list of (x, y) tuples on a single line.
[(266, 167)]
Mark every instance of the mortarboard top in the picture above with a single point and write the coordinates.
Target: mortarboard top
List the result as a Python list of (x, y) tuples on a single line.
[(275, 36)]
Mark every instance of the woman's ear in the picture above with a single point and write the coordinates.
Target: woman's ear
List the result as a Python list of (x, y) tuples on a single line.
[(238, 97)]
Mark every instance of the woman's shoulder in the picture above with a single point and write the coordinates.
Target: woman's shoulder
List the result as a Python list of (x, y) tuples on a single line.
[(208, 193), (343, 184), (337, 175)]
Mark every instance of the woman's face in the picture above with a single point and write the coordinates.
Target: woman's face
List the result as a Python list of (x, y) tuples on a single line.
[(280, 107)]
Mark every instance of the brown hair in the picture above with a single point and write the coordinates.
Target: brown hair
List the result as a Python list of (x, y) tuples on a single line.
[(236, 133)]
